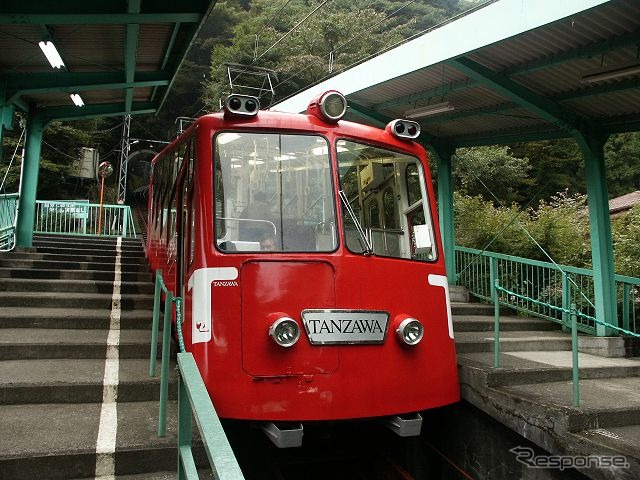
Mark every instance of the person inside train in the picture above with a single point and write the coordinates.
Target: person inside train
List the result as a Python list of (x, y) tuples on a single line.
[(268, 243), (256, 220)]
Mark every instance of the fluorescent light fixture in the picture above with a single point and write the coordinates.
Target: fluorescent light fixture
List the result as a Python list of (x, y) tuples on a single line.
[(427, 110), (77, 99), (227, 137), (612, 73), (50, 51)]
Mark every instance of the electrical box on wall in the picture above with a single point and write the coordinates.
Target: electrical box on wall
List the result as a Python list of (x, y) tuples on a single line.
[(371, 176)]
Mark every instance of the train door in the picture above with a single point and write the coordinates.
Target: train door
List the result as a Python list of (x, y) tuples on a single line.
[(186, 221)]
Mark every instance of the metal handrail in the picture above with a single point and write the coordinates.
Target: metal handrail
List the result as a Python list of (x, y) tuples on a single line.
[(74, 217), (8, 210), (539, 285), (572, 314), (193, 398)]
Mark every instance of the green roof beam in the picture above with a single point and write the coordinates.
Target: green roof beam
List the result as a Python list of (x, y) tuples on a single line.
[(620, 86), (183, 53), (167, 53), (95, 110), (543, 107), (130, 52), (491, 110), (628, 40), (72, 82), (367, 114), (99, 18), (438, 91), (622, 124), (506, 137)]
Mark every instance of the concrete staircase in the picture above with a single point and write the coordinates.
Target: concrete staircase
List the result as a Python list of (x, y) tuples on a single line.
[(531, 392), (56, 303)]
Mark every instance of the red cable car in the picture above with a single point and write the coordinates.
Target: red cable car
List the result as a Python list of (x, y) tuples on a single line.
[(306, 250)]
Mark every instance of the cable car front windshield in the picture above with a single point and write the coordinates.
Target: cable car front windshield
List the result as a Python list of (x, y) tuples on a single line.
[(273, 192), (385, 205)]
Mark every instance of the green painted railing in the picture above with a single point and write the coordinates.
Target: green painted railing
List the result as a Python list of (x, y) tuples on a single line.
[(544, 289), (75, 217), (193, 398), (572, 314), (8, 210)]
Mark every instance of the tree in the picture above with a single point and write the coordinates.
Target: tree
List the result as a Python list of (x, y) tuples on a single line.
[(339, 34), (622, 159), (556, 166), (491, 170)]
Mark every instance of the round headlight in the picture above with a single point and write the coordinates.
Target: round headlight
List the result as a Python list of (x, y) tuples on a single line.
[(410, 331), (333, 106), (285, 331)]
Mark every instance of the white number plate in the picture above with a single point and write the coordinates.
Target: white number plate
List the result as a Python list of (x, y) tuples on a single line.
[(331, 327)]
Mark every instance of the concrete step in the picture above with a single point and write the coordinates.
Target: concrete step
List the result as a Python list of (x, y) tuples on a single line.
[(458, 294), (77, 381), (20, 343), (75, 256), (77, 286), (544, 366), (41, 238), (614, 441), (71, 245), (89, 251), (75, 275), (6, 261), (65, 444), (74, 300), (202, 475), (468, 309), (612, 402), (485, 323), (518, 341), (34, 317)]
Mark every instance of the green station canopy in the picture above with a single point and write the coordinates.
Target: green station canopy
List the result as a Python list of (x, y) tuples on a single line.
[(509, 71), (120, 56)]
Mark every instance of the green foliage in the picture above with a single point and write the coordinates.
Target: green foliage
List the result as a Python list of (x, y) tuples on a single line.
[(559, 165), (352, 29), (556, 166), (626, 239), (61, 150), (622, 159), (489, 171), (560, 227)]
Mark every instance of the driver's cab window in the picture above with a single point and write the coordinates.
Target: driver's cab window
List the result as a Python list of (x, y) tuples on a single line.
[(273, 193), (385, 207)]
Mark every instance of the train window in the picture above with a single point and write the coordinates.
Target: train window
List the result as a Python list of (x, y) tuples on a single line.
[(273, 192), (390, 206), (413, 183), (373, 176)]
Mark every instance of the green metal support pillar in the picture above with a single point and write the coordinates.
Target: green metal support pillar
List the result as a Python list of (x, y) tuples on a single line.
[(29, 182), (600, 226), (6, 118), (445, 208), (6, 122)]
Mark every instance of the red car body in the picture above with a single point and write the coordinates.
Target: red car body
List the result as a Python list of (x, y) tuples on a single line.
[(247, 374)]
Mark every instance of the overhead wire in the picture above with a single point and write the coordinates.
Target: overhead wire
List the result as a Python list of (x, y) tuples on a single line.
[(342, 45), (59, 151), (389, 47), (268, 23), (295, 27), (12, 159)]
